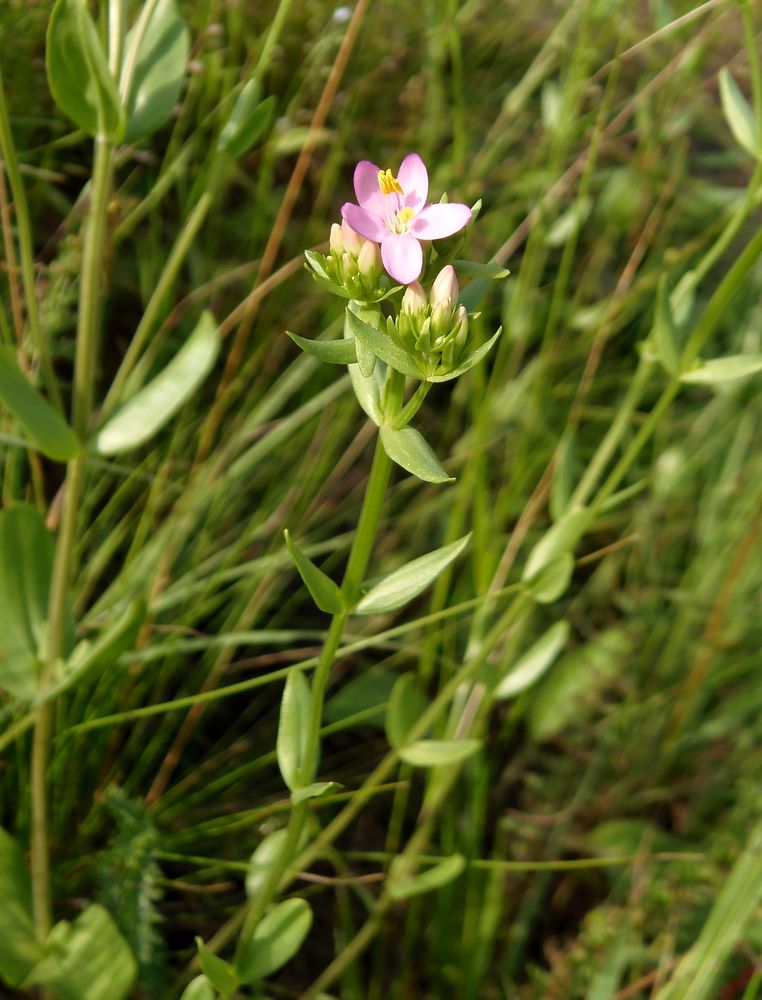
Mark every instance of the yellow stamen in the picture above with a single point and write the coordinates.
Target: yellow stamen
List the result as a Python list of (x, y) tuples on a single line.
[(405, 214), (388, 182)]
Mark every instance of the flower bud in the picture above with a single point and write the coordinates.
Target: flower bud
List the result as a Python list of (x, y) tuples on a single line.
[(352, 241), (444, 291), (336, 241), (414, 299), (460, 324), (369, 261)]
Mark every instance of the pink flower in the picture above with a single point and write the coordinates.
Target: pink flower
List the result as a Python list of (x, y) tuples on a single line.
[(392, 211)]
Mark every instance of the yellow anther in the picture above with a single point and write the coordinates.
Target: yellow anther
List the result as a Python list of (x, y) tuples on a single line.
[(405, 214), (388, 182)]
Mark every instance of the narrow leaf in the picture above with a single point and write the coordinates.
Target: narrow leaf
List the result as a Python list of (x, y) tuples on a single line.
[(438, 753), (473, 359), (155, 405), (278, 937), (220, 973), (406, 705), (293, 725), (382, 346), (47, 429), (720, 370), (738, 114), (665, 335), (248, 121), (409, 449), (533, 664), (335, 352), (560, 539), (405, 583), (324, 592), (436, 877)]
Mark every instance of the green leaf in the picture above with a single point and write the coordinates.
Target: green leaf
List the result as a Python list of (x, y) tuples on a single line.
[(436, 877), (491, 269), (409, 449), (248, 121), (154, 405), (160, 67), (366, 359), (473, 359), (278, 937), (317, 790), (220, 973), (87, 960), (564, 471), (560, 539), (368, 390), (738, 114), (552, 580), (19, 949), (334, 352), (78, 73), (365, 695), (720, 370), (382, 346), (438, 753), (405, 583), (324, 592), (47, 429), (262, 860), (406, 705), (26, 568), (198, 989), (293, 726), (665, 333), (533, 664)]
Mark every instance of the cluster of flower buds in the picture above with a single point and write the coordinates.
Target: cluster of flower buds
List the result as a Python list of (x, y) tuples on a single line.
[(434, 328), (352, 267)]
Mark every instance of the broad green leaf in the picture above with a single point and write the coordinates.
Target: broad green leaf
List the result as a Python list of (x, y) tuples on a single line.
[(248, 121), (665, 334), (293, 725), (87, 960), (560, 539), (437, 753), (366, 695), (162, 56), (473, 359), (405, 583), (278, 937), (154, 405), (738, 114), (317, 790), (382, 346), (199, 989), (533, 664), (19, 949), (222, 975), (409, 449), (552, 580), (47, 429), (262, 860), (334, 352), (406, 705), (78, 73), (433, 878), (325, 593), (720, 370), (26, 568)]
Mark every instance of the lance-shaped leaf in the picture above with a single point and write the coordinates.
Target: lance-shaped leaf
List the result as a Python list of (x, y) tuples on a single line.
[(405, 583), (720, 370), (248, 121), (78, 73), (560, 539), (162, 54), (198, 989), (438, 753), (278, 937), (665, 333), (46, 428), (473, 359), (334, 352), (406, 705), (436, 877), (323, 590), (154, 405), (19, 949), (366, 359), (220, 973), (382, 346), (409, 449), (491, 269), (738, 114), (293, 730), (533, 664), (552, 581)]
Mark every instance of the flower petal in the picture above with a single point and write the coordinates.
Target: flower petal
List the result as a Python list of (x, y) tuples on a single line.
[(414, 181), (402, 257), (365, 223), (437, 221), (366, 185)]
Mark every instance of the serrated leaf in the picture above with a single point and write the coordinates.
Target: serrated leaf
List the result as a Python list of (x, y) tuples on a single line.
[(19, 948), (552, 581), (198, 989), (47, 429), (738, 114), (220, 973), (533, 664), (277, 938), (382, 346), (436, 877), (152, 407), (334, 352), (473, 359), (324, 592), (293, 726), (665, 335), (248, 121), (405, 583), (406, 705), (409, 450), (438, 753), (317, 790), (162, 56), (560, 539), (78, 73), (720, 370)]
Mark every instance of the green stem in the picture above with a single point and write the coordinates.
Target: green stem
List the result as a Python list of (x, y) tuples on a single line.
[(84, 372)]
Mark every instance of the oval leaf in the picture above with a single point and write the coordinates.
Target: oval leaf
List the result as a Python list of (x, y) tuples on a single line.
[(738, 114), (335, 352), (405, 583), (278, 937), (198, 989), (720, 370), (262, 860), (433, 878), (406, 705), (533, 664), (409, 450), (437, 753), (325, 593), (151, 408), (293, 728), (47, 429)]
